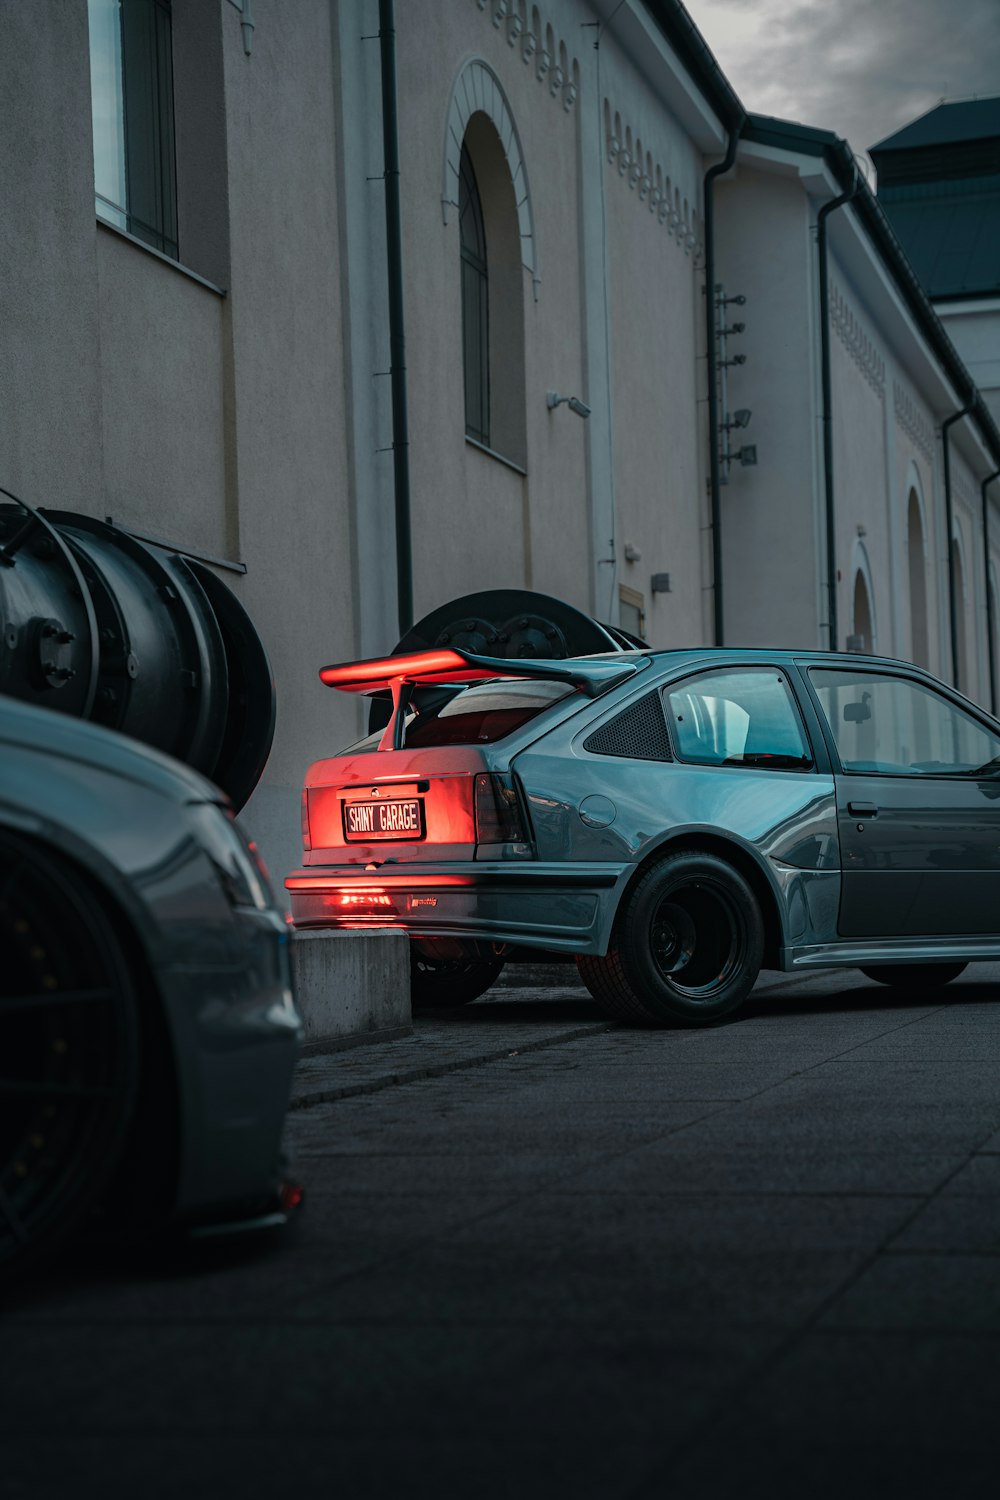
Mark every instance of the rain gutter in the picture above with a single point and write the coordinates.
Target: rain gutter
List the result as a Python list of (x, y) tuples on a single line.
[(690, 46), (990, 622), (397, 335), (824, 336), (714, 478)]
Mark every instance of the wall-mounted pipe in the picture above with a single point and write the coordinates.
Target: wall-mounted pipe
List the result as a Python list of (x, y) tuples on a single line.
[(990, 622), (948, 513), (713, 394), (824, 335), (397, 335)]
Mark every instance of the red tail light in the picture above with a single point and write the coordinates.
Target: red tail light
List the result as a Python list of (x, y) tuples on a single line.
[(499, 819), (369, 901), (306, 835), (291, 1196)]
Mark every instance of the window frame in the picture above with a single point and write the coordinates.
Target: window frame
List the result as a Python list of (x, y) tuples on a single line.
[(811, 740), (929, 684), (634, 599), (147, 121)]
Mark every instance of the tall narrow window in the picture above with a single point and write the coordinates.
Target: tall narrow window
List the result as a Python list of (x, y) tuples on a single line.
[(918, 584), (132, 87), (864, 634), (475, 305), (961, 643)]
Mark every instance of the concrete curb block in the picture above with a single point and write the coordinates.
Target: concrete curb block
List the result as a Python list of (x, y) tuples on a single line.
[(351, 985), (325, 1094)]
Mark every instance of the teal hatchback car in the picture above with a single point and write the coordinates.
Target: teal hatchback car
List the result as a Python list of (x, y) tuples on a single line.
[(674, 820)]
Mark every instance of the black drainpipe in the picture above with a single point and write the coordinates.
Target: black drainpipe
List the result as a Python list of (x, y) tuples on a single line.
[(990, 622), (952, 605), (824, 335), (397, 336), (713, 395)]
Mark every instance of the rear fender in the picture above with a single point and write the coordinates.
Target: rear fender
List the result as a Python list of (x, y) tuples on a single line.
[(758, 873)]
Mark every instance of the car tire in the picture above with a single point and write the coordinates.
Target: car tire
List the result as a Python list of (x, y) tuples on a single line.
[(686, 948), (70, 1044), (453, 980), (915, 976)]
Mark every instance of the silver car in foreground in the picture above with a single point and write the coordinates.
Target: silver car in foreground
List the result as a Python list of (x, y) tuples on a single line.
[(677, 820), (148, 1032)]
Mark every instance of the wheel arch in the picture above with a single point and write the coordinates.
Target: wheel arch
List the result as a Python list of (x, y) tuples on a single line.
[(743, 861)]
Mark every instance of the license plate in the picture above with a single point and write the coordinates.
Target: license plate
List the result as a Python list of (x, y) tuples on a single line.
[(395, 818)]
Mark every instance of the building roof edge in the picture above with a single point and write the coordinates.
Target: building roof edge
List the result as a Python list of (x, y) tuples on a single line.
[(839, 157)]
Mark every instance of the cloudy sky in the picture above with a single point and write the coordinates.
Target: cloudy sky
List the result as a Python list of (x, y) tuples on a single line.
[(861, 68)]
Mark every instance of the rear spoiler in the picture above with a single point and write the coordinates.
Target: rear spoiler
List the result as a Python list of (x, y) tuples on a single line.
[(593, 675)]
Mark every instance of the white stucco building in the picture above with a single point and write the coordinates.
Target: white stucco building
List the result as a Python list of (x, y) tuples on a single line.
[(894, 379), (195, 335)]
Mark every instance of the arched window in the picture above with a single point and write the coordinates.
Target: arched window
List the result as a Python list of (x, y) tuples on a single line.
[(492, 294), (992, 621), (864, 635), (475, 304), (919, 645), (961, 644)]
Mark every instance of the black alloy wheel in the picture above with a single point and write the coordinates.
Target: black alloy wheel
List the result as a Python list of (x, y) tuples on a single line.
[(69, 1053), (915, 976), (687, 946), (448, 979)]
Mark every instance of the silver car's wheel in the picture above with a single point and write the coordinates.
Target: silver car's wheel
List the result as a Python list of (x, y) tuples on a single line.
[(451, 977), (915, 976), (69, 1052), (687, 947)]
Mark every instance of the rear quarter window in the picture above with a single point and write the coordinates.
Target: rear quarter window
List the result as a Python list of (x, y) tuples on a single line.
[(737, 717)]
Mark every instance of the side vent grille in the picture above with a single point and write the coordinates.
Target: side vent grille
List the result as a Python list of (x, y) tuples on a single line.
[(640, 733)]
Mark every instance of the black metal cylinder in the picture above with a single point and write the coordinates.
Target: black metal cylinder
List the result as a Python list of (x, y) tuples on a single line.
[(509, 623), (98, 624)]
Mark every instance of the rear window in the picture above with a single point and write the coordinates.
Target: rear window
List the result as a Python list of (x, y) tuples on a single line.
[(478, 715), (485, 713)]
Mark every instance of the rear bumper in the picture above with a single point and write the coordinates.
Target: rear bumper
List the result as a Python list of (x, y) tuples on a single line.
[(556, 906)]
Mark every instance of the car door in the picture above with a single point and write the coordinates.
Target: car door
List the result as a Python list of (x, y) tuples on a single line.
[(918, 805)]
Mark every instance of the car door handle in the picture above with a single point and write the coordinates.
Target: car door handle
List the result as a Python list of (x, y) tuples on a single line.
[(862, 809)]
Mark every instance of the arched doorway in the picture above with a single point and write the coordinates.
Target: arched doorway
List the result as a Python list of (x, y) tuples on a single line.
[(919, 641)]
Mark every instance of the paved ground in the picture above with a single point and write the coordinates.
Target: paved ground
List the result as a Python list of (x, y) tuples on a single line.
[(761, 1260)]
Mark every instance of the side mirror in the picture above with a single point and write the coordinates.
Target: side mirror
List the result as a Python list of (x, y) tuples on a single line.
[(857, 713)]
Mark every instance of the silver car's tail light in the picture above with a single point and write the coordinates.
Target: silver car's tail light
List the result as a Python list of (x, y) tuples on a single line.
[(499, 819), (236, 861), (306, 834)]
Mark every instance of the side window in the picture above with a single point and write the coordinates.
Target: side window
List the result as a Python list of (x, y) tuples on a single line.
[(737, 718), (896, 726)]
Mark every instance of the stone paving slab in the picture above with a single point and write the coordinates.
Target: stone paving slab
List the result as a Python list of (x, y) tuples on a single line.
[(531, 1010), (606, 1264)]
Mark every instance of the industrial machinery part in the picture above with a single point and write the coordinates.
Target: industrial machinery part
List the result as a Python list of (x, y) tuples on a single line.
[(508, 623), (101, 625)]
